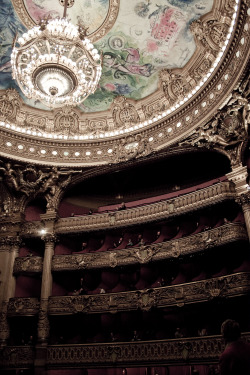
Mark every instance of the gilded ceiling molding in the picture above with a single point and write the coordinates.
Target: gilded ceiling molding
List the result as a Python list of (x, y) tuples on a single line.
[(237, 284), (144, 254), (94, 138)]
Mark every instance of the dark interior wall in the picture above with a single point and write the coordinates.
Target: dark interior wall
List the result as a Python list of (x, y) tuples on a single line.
[(145, 180)]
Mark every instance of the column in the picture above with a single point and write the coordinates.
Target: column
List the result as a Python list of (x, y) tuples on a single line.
[(43, 328), (10, 246), (239, 177)]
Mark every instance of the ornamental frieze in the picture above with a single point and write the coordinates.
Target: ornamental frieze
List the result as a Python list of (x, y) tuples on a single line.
[(66, 121), (145, 254), (176, 295), (17, 357), (29, 263), (23, 306), (124, 113), (197, 350), (156, 211)]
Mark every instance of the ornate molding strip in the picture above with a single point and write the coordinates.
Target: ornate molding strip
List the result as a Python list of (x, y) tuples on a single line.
[(23, 306), (144, 254), (176, 295), (148, 213), (193, 350), (17, 357), (32, 264)]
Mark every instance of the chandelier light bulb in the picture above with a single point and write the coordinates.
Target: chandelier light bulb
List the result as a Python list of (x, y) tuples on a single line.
[(56, 64)]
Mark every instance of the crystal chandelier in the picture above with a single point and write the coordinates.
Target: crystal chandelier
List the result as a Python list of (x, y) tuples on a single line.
[(55, 63)]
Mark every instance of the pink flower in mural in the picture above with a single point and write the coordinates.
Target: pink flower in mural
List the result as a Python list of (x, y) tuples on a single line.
[(110, 87), (151, 46)]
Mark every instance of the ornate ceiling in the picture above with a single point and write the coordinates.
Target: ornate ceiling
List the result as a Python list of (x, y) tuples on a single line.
[(168, 66)]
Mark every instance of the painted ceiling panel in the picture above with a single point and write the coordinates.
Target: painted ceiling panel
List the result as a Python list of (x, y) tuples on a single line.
[(137, 38)]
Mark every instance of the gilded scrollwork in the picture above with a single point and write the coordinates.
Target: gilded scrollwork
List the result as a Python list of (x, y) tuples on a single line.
[(66, 121), (124, 113), (4, 325), (17, 357), (23, 306), (9, 105), (28, 264), (43, 326), (174, 86), (32, 181), (243, 199), (131, 147), (174, 295), (210, 33), (145, 254), (139, 352)]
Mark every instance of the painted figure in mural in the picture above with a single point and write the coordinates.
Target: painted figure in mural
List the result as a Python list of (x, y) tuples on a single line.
[(130, 65)]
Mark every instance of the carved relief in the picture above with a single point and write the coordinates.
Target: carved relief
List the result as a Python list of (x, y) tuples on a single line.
[(210, 33), (175, 295), (28, 264), (30, 228), (243, 199), (17, 357), (35, 123), (32, 181), (174, 86), (198, 73), (4, 326), (142, 214), (144, 254), (131, 147), (43, 326), (23, 306), (152, 108), (66, 121), (124, 113), (9, 105)]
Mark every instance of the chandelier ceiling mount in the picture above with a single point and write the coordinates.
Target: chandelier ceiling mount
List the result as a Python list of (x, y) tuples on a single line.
[(55, 63)]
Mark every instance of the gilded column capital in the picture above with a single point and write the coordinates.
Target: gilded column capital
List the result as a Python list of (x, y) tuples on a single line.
[(244, 199), (11, 241), (239, 177), (49, 237)]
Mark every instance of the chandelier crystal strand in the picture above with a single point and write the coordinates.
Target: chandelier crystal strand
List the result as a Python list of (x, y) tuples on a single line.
[(56, 64)]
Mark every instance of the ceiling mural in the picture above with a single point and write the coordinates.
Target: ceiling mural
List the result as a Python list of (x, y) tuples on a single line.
[(139, 38), (168, 65)]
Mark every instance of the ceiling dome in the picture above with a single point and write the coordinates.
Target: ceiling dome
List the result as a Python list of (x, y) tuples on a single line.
[(167, 67)]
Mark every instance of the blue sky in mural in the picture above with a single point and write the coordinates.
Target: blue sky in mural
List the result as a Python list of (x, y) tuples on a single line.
[(9, 26)]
